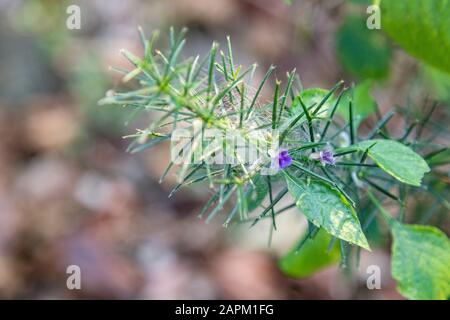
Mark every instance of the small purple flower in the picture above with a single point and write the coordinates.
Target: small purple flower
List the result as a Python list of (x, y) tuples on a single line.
[(325, 157), (284, 160)]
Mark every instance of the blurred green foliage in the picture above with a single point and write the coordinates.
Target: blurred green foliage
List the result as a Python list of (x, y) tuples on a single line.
[(438, 81), (313, 256), (420, 261), (421, 27), (363, 103), (312, 96), (363, 53)]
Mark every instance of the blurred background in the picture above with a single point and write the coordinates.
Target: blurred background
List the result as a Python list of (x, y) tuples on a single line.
[(70, 194)]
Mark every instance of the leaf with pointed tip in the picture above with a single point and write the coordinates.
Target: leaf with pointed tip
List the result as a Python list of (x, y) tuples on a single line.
[(325, 207), (396, 159)]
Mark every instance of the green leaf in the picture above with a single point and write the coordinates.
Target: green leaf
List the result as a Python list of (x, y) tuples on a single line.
[(362, 52), (421, 261), (441, 158), (421, 27), (363, 103), (396, 159), (325, 207), (311, 97), (312, 257), (438, 81), (256, 192)]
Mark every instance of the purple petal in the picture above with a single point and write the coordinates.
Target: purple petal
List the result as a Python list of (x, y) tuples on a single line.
[(327, 157), (284, 160)]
